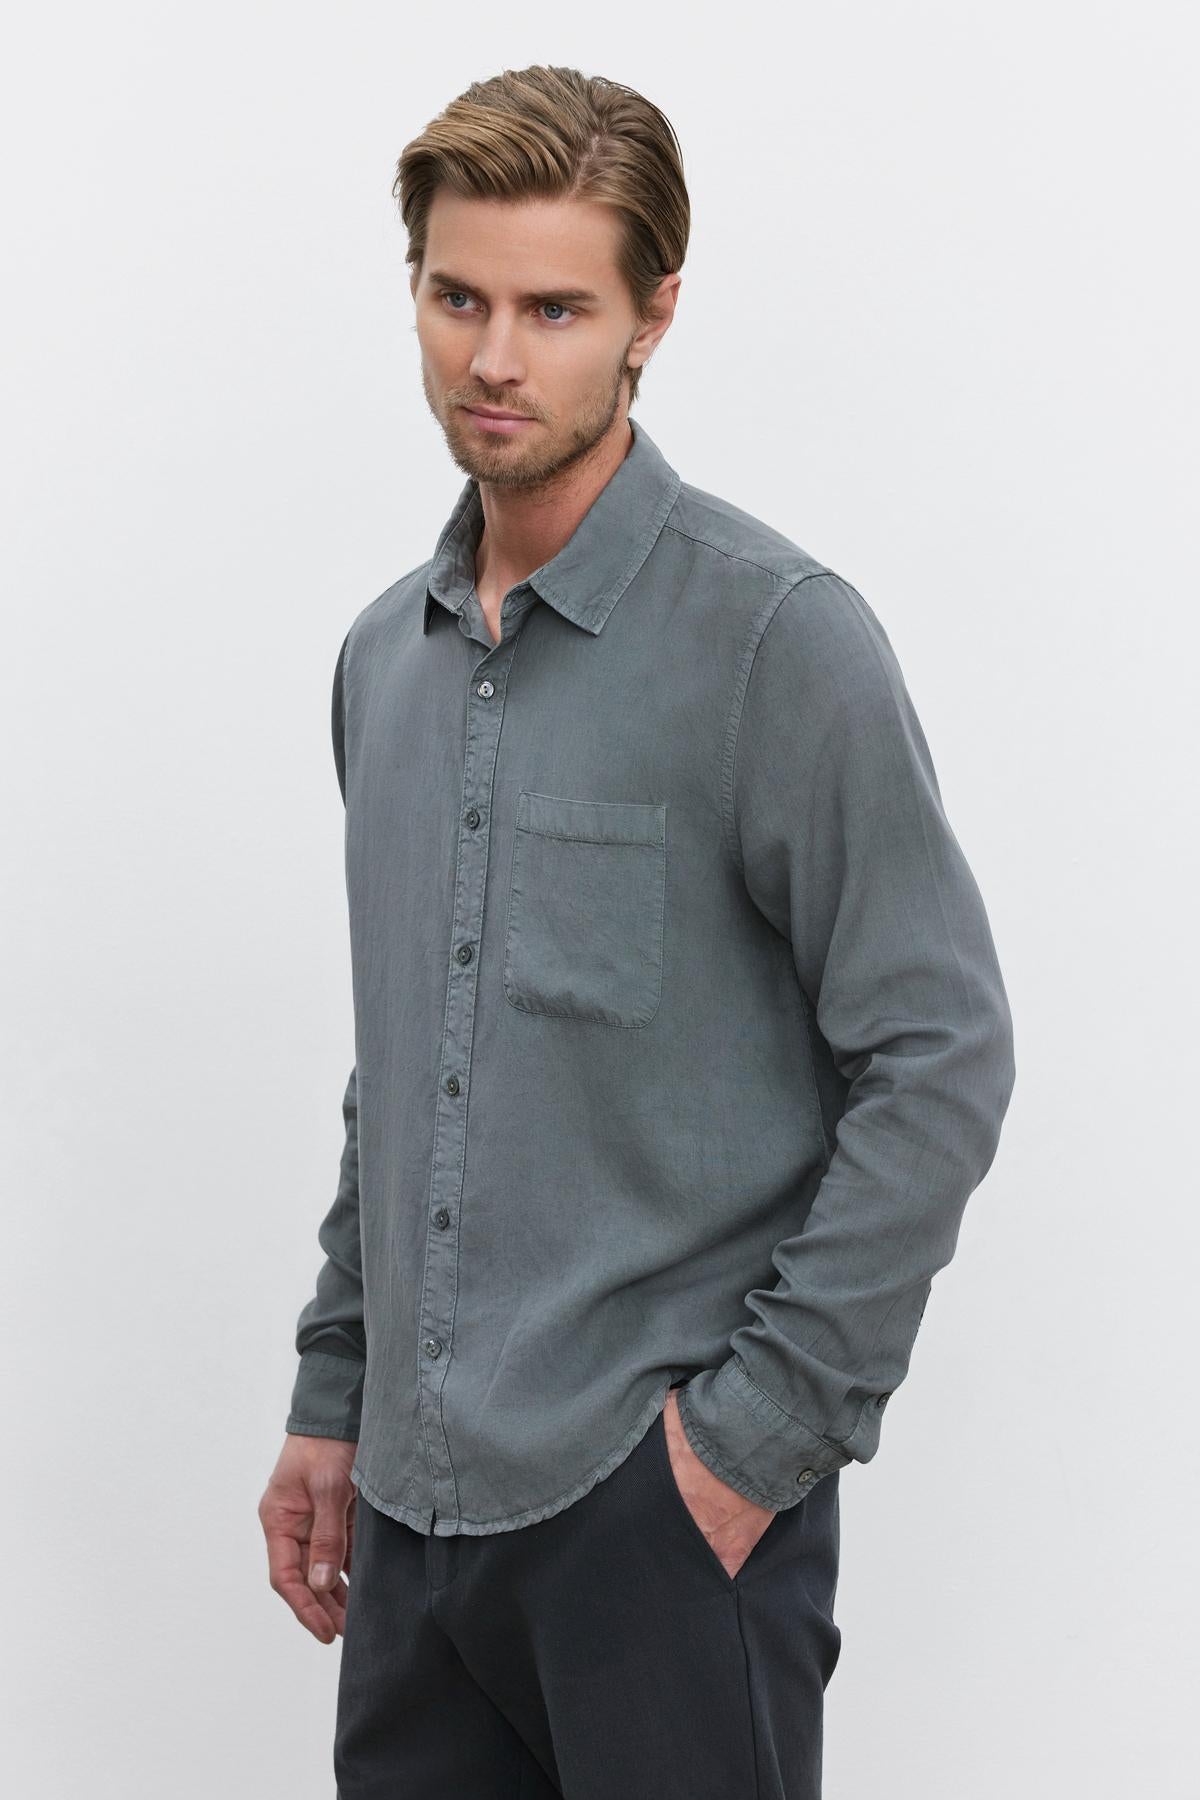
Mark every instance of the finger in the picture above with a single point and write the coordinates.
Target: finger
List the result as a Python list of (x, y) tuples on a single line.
[(334, 1602), (288, 1567), (327, 1544)]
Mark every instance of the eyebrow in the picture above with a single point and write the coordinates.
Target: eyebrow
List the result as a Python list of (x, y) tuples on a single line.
[(439, 278)]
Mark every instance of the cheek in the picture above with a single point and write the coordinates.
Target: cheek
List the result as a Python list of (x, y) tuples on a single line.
[(581, 367), (444, 345)]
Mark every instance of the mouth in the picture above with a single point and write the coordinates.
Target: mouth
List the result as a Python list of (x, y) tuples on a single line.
[(500, 422)]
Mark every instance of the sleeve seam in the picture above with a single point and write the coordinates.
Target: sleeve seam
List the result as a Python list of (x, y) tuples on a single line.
[(320, 1428), (720, 1467), (817, 1436), (331, 1356)]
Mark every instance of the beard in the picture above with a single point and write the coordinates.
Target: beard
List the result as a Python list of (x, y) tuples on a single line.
[(526, 460)]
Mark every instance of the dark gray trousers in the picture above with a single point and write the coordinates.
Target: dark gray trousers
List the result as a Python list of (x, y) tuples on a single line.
[(600, 1654)]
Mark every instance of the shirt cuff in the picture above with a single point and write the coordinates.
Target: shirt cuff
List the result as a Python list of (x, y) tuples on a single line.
[(749, 1441), (327, 1396)]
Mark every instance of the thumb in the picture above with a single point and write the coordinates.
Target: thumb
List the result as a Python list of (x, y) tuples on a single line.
[(327, 1545)]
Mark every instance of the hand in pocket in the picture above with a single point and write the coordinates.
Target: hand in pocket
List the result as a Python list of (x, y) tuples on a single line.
[(731, 1523)]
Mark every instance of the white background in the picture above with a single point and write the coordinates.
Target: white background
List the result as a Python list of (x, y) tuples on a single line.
[(937, 323)]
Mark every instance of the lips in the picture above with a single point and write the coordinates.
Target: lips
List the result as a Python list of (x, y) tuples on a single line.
[(502, 425)]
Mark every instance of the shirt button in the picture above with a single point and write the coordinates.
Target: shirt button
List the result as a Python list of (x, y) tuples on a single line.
[(485, 689), (805, 1475), (464, 953), (452, 1084), (433, 1347), (441, 1218), (472, 818), (883, 1399)]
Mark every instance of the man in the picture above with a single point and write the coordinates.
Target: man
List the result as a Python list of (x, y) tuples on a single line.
[(680, 1045)]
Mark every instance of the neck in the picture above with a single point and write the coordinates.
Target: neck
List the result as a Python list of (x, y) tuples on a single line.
[(524, 527)]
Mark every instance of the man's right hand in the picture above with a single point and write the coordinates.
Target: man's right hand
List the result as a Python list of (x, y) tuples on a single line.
[(307, 1516)]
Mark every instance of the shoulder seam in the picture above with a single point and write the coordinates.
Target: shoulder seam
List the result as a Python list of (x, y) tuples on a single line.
[(733, 556), (754, 638)]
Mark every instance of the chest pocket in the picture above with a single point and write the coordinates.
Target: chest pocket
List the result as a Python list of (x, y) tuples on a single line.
[(585, 909)]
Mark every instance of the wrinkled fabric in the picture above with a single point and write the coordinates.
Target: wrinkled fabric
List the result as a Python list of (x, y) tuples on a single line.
[(680, 1036)]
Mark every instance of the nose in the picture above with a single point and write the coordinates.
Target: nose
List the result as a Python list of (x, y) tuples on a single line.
[(497, 362)]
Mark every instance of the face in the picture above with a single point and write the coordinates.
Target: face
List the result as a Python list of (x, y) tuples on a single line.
[(520, 307)]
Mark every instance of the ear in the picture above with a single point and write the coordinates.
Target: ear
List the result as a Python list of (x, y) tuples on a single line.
[(662, 312)]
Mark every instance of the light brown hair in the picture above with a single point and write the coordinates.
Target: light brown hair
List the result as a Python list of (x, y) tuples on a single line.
[(554, 133)]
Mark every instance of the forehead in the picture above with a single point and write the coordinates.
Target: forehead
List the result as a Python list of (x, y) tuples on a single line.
[(513, 244)]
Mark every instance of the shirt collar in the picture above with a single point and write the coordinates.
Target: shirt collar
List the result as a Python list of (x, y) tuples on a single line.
[(589, 574)]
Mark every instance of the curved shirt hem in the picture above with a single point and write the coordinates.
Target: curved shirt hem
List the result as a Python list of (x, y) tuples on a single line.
[(423, 1520)]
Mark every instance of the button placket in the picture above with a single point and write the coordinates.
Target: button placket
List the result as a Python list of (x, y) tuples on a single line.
[(485, 706)]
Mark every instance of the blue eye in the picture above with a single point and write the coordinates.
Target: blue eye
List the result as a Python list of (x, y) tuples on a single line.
[(563, 311)]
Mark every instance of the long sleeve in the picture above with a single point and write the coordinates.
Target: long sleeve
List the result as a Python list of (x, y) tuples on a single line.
[(330, 1333), (834, 812)]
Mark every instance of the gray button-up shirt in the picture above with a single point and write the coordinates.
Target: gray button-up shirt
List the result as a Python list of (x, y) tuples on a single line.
[(680, 1038)]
